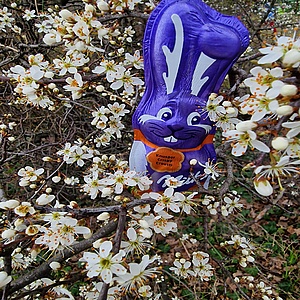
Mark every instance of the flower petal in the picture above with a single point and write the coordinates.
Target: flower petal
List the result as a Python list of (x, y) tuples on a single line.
[(106, 275), (263, 187), (260, 146), (105, 248)]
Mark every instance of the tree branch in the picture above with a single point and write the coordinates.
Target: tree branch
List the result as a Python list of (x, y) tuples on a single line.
[(44, 269), (116, 246)]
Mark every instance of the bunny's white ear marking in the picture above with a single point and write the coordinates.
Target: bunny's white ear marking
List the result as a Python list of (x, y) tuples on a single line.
[(203, 63), (173, 58)]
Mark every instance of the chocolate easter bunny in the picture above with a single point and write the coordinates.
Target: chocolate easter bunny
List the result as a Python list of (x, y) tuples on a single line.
[(188, 49)]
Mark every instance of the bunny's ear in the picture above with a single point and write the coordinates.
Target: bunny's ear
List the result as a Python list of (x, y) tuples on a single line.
[(189, 48)]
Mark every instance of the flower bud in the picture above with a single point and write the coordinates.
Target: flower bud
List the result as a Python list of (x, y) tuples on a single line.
[(291, 57), (112, 158), (104, 157), (74, 205), (103, 6), (289, 90), (212, 96), (246, 125), (55, 265), (32, 230), (89, 8), (8, 233), (284, 110), (11, 125), (33, 253), (56, 179), (46, 158), (193, 162), (4, 279), (103, 216), (65, 14), (50, 39), (227, 104), (280, 143), (51, 86)]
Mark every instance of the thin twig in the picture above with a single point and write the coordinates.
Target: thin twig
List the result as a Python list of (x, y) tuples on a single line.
[(229, 174), (80, 212)]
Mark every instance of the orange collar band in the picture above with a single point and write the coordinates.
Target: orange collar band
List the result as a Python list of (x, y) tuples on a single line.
[(138, 136)]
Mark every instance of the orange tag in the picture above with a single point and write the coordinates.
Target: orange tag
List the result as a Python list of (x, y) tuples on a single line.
[(165, 159)]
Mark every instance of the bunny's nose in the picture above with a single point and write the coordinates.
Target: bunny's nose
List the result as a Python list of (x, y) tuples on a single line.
[(175, 127)]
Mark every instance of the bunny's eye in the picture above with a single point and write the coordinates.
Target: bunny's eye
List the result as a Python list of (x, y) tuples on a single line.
[(194, 119), (164, 114)]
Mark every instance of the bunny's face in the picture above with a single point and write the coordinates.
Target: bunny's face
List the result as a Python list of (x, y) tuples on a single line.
[(176, 124)]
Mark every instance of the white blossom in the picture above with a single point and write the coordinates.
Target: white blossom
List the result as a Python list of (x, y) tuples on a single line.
[(104, 263), (4, 279)]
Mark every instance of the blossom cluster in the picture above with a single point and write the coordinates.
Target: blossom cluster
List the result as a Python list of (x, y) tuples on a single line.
[(272, 101), (60, 230), (259, 289), (198, 266), (29, 176), (20, 259), (119, 76), (109, 120), (59, 292), (99, 179), (222, 112), (7, 21), (110, 267), (228, 205), (28, 81), (6, 128), (83, 37), (242, 248)]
